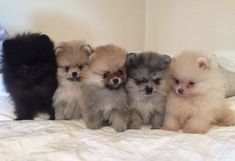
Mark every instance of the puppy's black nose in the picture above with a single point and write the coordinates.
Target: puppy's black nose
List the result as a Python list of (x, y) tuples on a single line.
[(181, 91), (148, 90), (115, 81), (74, 74)]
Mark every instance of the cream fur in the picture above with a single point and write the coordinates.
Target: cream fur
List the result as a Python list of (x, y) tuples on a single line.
[(67, 99), (201, 105)]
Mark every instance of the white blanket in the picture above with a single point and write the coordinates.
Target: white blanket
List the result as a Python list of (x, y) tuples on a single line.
[(43, 140), (72, 141)]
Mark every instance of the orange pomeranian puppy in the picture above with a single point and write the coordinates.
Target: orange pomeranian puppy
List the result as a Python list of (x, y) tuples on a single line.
[(197, 99)]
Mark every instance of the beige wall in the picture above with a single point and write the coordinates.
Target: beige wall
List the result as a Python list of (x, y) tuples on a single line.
[(174, 25), (98, 21), (162, 25)]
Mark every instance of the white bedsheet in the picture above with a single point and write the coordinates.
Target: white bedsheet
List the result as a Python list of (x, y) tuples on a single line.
[(44, 140), (71, 141)]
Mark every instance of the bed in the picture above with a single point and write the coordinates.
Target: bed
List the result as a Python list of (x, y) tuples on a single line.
[(45, 140)]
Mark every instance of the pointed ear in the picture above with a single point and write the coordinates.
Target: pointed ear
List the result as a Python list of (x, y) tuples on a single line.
[(203, 63), (86, 48), (166, 59), (92, 57), (130, 58), (59, 48)]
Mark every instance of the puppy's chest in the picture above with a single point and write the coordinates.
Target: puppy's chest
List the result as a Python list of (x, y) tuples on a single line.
[(112, 99), (147, 108), (185, 108), (154, 103), (68, 93)]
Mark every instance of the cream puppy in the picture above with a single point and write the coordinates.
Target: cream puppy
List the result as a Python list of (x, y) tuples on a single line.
[(72, 60), (197, 99)]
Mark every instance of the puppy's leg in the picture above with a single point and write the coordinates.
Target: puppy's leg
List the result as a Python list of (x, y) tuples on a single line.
[(171, 123), (77, 112), (93, 120), (51, 113), (69, 111), (226, 117), (24, 113), (59, 112), (119, 119), (135, 121), (157, 120), (197, 125)]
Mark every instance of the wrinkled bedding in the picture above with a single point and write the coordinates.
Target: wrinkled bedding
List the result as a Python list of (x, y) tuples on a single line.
[(71, 141), (44, 140)]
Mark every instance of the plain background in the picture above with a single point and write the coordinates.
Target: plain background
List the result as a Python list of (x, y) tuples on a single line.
[(160, 25)]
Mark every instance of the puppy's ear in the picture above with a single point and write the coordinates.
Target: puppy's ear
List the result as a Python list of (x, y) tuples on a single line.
[(86, 48), (59, 48), (130, 58), (44, 37), (166, 59), (9, 44), (203, 63)]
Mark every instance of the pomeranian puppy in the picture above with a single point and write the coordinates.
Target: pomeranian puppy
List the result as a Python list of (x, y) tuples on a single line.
[(147, 88), (105, 99), (197, 99), (29, 74), (72, 60)]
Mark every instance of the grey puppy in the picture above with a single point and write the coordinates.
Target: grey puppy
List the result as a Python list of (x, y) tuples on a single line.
[(105, 99), (147, 87)]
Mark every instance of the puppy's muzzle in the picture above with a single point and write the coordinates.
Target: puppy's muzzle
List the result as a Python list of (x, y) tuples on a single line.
[(115, 83), (75, 77), (148, 90), (180, 91)]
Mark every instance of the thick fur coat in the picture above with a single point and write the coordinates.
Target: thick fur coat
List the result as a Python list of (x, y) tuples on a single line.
[(29, 74), (72, 59), (147, 88), (197, 98), (104, 94)]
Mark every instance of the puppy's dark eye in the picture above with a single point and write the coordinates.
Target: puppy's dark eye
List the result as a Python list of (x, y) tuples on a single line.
[(157, 81), (191, 83), (66, 68), (120, 72), (138, 82), (80, 67), (176, 81), (106, 75)]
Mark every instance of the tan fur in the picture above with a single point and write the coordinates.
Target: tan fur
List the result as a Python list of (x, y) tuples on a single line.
[(202, 104), (109, 57), (100, 102), (67, 99)]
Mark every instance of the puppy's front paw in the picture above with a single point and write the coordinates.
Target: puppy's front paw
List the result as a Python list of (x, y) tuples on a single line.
[(156, 126), (134, 125), (197, 126), (93, 125), (195, 130), (120, 128), (170, 128)]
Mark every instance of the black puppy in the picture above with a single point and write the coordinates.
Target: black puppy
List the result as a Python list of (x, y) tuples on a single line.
[(29, 74)]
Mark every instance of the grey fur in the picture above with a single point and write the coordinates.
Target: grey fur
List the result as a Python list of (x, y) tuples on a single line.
[(102, 104), (144, 71)]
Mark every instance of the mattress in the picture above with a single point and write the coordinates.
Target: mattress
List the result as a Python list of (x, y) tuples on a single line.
[(45, 140)]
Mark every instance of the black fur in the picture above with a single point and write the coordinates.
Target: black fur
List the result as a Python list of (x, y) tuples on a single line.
[(29, 74)]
